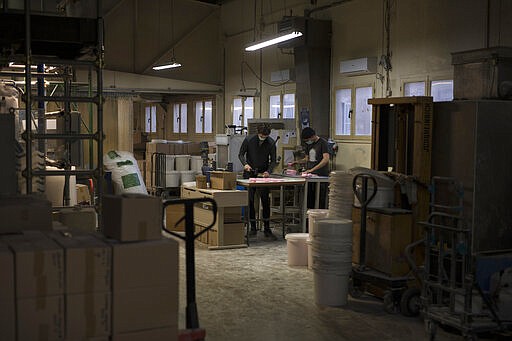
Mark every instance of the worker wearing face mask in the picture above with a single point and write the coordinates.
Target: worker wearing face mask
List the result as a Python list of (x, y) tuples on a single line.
[(258, 155), (317, 162)]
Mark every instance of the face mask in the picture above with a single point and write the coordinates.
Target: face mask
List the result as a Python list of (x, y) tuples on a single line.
[(309, 142), (262, 138)]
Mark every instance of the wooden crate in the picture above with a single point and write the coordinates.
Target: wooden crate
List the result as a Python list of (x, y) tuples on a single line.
[(388, 232)]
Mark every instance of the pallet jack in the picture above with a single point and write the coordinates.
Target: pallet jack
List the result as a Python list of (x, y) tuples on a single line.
[(398, 293), (192, 332)]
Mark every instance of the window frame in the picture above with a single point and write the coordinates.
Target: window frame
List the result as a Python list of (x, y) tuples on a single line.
[(180, 104), (281, 104), (203, 102), (352, 136), (242, 118), (152, 118)]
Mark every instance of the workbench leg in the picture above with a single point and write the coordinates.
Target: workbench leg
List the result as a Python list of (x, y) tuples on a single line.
[(304, 207)]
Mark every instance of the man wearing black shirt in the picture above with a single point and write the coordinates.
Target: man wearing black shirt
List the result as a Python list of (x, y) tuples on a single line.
[(317, 162), (258, 155)]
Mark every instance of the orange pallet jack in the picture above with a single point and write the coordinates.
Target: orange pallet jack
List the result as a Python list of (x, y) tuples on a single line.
[(192, 332)]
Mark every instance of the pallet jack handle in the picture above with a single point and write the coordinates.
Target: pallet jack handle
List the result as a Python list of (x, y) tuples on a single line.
[(192, 320), (364, 200)]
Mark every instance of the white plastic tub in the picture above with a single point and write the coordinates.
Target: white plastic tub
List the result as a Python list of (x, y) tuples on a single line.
[(297, 249)]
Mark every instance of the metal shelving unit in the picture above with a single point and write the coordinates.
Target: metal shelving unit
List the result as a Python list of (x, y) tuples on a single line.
[(69, 44)]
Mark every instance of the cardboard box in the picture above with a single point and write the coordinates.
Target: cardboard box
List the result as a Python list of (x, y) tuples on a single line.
[(88, 262), (88, 315), (39, 265), (233, 234), (83, 219), (157, 148), (21, 213), (146, 308), (132, 217), (83, 196), (7, 309), (194, 148), (223, 180), (40, 318), (173, 213), (144, 264), (160, 334), (232, 214)]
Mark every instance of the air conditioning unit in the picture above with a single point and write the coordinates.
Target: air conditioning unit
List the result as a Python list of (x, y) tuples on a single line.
[(247, 93), (360, 66), (282, 76)]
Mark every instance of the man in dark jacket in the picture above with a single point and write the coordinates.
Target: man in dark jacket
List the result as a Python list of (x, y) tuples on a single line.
[(258, 155), (317, 162)]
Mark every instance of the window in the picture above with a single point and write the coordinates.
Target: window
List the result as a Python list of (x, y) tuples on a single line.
[(179, 118), (204, 116), (442, 90), (350, 120), (282, 106), (150, 119), (414, 89), (343, 111), (243, 109)]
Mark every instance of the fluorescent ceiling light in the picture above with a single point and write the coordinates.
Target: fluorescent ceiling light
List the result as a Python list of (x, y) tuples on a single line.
[(173, 64), (273, 41)]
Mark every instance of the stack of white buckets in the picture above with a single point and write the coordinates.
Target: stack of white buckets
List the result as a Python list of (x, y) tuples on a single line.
[(330, 249), (181, 168)]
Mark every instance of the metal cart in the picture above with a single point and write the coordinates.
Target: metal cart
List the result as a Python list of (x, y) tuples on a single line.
[(451, 295), (399, 294)]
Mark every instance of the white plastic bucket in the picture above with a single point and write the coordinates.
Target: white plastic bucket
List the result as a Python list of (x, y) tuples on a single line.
[(297, 249), (172, 179), (169, 163), (313, 215), (188, 176), (310, 254), (332, 229), (182, 162), (330, 289), (196, 163), (385, 197)]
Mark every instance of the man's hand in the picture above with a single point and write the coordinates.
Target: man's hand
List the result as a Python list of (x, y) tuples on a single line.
[(247, 168), (307, 171), (266, 174)]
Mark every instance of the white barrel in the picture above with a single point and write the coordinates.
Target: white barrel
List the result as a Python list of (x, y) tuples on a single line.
[(331, 248), (188, 176), (172, 179), (169, 163), (330, 289), (182, 162), (310, 254), (196, 163), (297, 249), (313, 215)]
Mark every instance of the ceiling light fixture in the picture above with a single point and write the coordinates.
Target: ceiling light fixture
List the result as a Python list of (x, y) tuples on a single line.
[(173, 63), (272, 41)]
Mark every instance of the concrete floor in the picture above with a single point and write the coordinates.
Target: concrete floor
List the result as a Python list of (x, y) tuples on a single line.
[(252, 294)]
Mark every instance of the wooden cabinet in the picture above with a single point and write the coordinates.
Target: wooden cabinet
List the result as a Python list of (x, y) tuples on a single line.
[(402, 139), (388, 232), (229, 229)]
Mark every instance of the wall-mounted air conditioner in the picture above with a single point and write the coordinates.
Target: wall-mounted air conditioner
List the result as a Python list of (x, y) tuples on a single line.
[(282, 76), (247, 93), (359, 66)]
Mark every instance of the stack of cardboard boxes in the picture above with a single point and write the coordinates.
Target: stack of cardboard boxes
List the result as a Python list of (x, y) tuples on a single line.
[(145, 269), (74, 285)]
